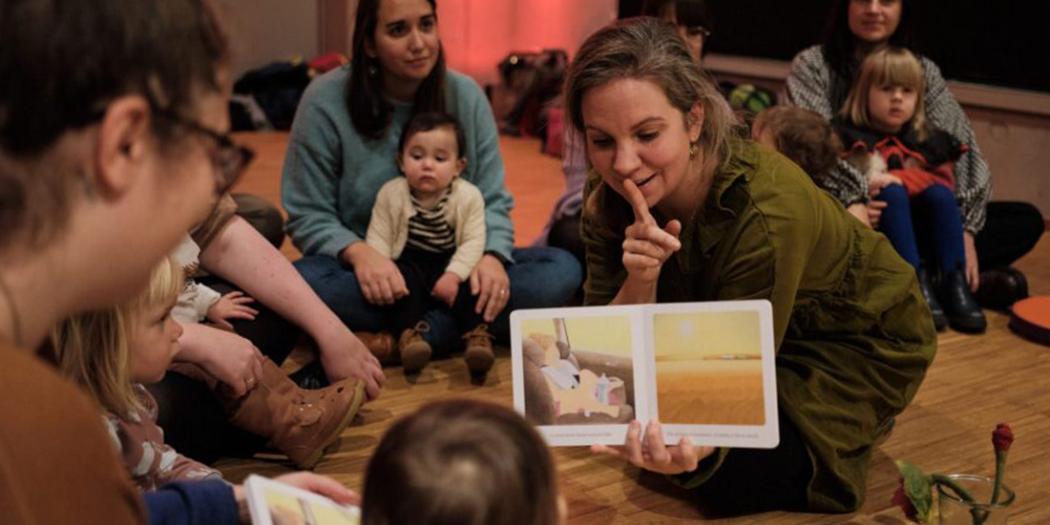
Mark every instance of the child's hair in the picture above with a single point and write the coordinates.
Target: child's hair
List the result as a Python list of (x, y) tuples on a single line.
[(891, 66), (429, 122), (92, 348), (802, 136), (461, 462)]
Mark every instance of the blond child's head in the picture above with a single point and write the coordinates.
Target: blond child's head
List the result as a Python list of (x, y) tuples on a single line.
[(888, 93), (800, 135), (107, 351), (462, 462)]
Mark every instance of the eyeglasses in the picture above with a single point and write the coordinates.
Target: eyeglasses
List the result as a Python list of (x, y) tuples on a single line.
[(700, 31), (229, 158)]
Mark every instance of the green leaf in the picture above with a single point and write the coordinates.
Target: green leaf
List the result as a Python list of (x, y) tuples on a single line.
[(917, 485)]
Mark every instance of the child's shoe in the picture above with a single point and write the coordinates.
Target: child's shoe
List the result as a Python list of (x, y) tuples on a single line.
[(381, 344), (964, 314), (299, 423), (478, 351), (415, 351), (940, 321)]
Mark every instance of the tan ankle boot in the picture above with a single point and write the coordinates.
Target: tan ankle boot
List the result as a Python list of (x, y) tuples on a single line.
[(381, 344), (299, 423), (415, 351), (478, 350)]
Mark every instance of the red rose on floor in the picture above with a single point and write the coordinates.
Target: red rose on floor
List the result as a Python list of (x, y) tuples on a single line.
[(1002, 437)]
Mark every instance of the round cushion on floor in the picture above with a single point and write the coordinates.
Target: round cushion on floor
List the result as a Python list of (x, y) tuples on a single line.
[(1031, 319)]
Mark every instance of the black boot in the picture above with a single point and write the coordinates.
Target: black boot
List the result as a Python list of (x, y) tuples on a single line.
[(964, 314), (939, 319), (1001, 288)]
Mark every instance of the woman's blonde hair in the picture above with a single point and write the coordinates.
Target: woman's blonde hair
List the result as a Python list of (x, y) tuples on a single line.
[(647, 48), (92, 348), (890, 66)]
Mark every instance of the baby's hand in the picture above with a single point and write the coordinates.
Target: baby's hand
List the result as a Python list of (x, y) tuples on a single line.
[(446, 288), (233, 305)]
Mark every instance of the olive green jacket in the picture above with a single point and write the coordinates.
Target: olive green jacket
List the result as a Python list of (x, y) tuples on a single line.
[(853, 333)]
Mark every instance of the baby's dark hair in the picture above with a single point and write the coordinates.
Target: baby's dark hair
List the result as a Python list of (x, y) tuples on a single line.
[(430, 121), (461, 462), (802, 136)]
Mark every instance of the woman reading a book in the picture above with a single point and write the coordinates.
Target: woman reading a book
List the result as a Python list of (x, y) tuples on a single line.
[(678, 208)]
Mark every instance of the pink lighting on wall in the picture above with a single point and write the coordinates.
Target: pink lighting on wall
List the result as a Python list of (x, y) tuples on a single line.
[(477, 34)]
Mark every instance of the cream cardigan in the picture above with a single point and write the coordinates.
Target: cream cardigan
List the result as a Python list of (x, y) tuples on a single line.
[(464, 211)]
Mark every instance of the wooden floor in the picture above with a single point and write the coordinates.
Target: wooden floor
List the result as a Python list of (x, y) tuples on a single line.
[(975, 382)]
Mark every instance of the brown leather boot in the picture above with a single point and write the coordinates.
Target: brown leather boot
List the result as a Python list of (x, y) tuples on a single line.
[(299, 423), (478, 350), (381, 344), (415, 351)]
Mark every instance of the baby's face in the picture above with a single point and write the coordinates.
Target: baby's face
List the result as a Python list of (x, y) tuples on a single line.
[(431, 161)]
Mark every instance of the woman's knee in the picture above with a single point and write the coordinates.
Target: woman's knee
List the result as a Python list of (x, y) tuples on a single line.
[(893, 195), (544, 276)]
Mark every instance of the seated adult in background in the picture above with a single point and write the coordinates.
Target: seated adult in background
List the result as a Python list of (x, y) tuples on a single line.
[(693, 24), (342, 149), (996, 233), (682, 209), (111, 148)]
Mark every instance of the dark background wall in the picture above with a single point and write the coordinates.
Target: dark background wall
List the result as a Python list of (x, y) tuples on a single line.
[(1004, 43)]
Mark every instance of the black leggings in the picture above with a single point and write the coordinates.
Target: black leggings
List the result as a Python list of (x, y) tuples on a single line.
[(1010, 231), (760, 480), (193, 418)]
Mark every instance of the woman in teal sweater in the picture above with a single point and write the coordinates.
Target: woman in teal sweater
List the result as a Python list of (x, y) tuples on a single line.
[(342, 150)]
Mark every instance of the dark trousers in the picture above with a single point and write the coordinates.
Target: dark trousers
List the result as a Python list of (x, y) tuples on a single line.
[(1011, 230), (193, 418), (421, 269), (759, 480)]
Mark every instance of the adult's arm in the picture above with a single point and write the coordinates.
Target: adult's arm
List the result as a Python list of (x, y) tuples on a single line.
[(489, 174), (808, 86), (192, 503), (310, 180), (973, 184), (243, 257)]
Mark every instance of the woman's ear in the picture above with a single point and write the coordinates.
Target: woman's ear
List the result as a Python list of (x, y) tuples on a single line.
[(696, 122), (123, 140)]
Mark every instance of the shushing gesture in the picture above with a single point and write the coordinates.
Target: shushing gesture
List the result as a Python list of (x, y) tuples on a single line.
[(647, 246)]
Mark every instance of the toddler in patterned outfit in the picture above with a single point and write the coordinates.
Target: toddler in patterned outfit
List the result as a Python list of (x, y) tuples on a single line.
[(432, 224)]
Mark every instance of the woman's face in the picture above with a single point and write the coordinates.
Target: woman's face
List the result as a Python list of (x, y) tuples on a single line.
[(406, 42), (874, 21), (692, 36), (153, 341), (633, 132)]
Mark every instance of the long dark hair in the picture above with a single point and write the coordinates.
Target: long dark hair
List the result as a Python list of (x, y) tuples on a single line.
[(461, 462), (369, 110), (840, 44)]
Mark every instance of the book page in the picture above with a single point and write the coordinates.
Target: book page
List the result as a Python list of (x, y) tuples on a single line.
[(713, 373), (576, 374), (274, 503)]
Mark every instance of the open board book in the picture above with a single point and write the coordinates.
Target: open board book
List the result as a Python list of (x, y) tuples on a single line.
[(704, 370), (275, 503)]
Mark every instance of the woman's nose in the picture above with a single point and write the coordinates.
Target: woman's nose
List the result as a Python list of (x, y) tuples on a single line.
[(625, 160)]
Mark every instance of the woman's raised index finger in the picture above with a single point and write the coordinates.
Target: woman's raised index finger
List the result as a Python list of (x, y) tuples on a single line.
[(637, 200)]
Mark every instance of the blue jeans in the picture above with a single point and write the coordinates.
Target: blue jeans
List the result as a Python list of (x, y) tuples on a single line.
[(928, 225), (541, 277)]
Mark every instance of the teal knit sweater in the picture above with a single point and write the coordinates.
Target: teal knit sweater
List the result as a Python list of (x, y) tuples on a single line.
[(332, 174)]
